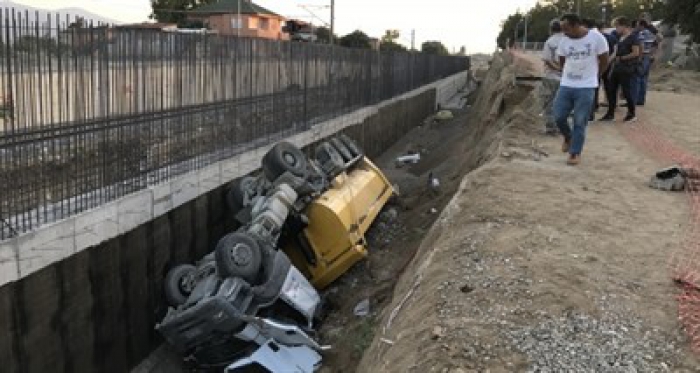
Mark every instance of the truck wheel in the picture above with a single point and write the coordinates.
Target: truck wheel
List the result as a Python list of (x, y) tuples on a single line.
[(284, 157), (342, 149), (238, 255), (351, 145), (235, 197), (179, 283)]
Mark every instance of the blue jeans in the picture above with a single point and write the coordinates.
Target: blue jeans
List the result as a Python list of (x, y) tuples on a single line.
[(642, 81), (580, 100)]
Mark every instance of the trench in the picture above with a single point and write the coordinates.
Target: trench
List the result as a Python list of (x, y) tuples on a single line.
[(396, 234), (66, 318)]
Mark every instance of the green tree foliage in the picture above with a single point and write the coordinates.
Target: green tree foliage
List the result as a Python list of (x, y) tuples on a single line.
[(324, 35), (685, 14), (174, 11), (434, 47), (29, 43), (388, 42), (356, 39), (539, 17)]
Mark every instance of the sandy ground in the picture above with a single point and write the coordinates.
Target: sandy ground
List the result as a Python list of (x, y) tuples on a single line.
[(538, 266), (676, 112)]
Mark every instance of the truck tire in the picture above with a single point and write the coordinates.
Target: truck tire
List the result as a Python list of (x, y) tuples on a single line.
[(284, 157), (351, 145), (179, 283), (342, 149), (238, 255), (235, 197)]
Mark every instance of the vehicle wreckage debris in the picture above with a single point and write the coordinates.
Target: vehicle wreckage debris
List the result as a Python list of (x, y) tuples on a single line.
[(253, 301), (675, 179)]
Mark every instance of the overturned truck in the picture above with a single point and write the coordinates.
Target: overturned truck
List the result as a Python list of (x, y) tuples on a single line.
[(253, 302)]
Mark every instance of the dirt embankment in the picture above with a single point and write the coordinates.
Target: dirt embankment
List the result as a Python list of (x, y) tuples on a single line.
[(537, 266)]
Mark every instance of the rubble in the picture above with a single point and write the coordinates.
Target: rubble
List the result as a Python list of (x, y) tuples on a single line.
[(443, 115), (583, 343), (675, 179), (362, 308)]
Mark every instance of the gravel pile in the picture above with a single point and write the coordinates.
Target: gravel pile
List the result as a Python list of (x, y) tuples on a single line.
[(386, 228), (581, 343)]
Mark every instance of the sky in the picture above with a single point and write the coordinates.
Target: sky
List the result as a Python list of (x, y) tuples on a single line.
[(473, 24)]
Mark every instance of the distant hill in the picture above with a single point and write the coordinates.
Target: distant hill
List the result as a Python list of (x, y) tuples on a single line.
[(69, 14)]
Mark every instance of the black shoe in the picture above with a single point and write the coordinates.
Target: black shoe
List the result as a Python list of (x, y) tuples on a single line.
[(607, 118), (630, 118)]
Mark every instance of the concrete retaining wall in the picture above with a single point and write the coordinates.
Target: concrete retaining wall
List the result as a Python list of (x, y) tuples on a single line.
[(84, 294)]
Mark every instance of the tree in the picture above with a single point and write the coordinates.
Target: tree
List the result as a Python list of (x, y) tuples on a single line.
[(324, 35), (356, 39), (174, 11), (685, 14), (434, 47), (388, 42), (539, 17)]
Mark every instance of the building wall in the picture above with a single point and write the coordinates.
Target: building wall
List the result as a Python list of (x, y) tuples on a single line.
[(252, 26)]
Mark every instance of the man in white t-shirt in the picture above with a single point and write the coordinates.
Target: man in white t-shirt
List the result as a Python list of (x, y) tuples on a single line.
[(552, 77), (583, 55)]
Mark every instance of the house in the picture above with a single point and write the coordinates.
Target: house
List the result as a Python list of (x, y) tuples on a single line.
[(252, 21)]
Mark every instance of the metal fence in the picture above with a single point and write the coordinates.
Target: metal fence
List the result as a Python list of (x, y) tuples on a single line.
[(90, 113)]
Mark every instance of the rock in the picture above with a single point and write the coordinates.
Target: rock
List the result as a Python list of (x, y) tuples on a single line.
[(443, 115), (466, 289), (362, 308), (438, 332), (391, 214)]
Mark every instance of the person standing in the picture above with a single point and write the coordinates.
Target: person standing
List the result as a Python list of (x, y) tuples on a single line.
[(584, 56), (649, 37), (592, 25), (625, 67), (552, 77)]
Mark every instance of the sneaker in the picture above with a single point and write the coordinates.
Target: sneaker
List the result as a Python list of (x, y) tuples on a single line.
[(607, 118), (630, 118), (565, 146), (574, 160)]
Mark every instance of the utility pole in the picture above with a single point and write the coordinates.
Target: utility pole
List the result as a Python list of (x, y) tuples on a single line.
[(239, 21), (413, 39), (332, 20), (525, 36), (578, 7)]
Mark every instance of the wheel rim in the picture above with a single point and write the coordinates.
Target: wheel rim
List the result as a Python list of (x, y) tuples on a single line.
[(290, 159), (186, 284), (241, 255)]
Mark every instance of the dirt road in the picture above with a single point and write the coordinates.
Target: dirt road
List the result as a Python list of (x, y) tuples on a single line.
[(538, 266)]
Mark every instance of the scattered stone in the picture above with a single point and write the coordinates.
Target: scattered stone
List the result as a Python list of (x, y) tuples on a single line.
[(466, 289), (443, 115), (362, 308), (438, 332)]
